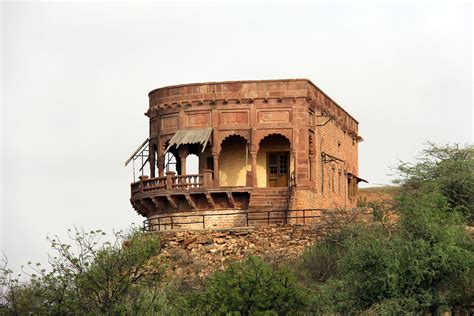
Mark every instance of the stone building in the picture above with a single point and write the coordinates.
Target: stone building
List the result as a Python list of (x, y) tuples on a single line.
[(269, 151)]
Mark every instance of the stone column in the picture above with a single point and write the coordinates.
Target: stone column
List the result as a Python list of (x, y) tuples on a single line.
[(183, 165), (183, 153), (253, 157), (295, 168), (169, 180), (161, 166), (207, 178), (151, 159), (216, 170), (142, 184)]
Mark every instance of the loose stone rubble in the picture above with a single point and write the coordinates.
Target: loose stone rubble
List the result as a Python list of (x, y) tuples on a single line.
[(198, 253)]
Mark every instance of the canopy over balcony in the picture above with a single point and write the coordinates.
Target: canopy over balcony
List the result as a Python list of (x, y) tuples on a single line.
[(192, 136)]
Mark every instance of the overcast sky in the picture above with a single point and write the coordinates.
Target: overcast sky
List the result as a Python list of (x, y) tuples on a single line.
[(75, 78)]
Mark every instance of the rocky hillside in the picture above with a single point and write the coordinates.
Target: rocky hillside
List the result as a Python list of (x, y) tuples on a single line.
[(195, 254)]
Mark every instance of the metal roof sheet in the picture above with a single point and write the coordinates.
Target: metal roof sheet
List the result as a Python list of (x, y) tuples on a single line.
[(190, 136)]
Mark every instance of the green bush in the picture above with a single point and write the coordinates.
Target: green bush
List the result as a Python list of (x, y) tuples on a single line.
[(426, 264), (250, 287)]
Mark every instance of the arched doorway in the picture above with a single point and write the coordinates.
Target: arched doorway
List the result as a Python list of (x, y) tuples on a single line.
[(274, 161), (233, 161)]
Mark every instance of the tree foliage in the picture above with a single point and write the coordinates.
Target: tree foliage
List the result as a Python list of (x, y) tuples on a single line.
[(424, 265), (90, 277), (448, 170)]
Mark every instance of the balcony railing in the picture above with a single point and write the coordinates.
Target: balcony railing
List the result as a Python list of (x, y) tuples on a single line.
[(154, 184), (172, 182), (188, 182)]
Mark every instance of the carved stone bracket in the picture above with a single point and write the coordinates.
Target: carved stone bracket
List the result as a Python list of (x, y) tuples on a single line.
[(210, 200), (171, 201), (190, 201), (231, 199)]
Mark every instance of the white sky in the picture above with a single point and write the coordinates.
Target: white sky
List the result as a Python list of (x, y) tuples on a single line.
[(75, 78)]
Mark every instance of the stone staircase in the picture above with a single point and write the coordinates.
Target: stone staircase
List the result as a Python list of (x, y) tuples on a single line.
[(268, 199), (268, 206)]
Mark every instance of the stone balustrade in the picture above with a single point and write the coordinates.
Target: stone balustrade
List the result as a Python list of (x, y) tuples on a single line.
[(172, 182)]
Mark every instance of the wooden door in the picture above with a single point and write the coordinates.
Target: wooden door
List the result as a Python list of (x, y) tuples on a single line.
[(277, 169)]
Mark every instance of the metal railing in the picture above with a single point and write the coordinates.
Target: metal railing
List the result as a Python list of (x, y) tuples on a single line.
[(170, 221)]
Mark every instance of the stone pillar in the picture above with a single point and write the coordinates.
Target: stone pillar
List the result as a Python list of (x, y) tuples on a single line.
[(142, 184), (183, 165), (183, 153), (169, 180), (207, 178), (151, 159), (295, 168), (216, 170), (161, 166), (253, 157), (216, 149)]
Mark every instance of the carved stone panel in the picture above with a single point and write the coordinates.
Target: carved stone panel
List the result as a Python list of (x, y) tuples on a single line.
[(169, 123), (198, 119), (278, 116), (233, 118)]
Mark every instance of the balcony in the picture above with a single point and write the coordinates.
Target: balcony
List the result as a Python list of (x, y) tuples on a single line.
[(184, 193), (170, 182)]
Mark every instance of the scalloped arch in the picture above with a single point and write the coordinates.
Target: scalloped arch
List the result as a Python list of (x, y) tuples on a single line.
[(283, 134), (225, 136)]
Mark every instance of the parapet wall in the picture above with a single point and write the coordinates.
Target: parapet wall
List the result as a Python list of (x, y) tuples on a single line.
[(247, 91)]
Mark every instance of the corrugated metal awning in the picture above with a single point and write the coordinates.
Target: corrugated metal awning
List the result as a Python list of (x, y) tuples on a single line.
[(190, 136), (357, 178)]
